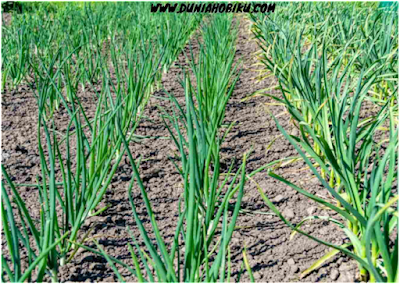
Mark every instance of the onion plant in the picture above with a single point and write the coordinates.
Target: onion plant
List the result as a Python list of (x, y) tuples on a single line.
[(215, 70), (366, 199), (288, 46), (65, 48), (15, 50), (368, 30), (301, 90), (74, 178), (84, 36), (89, 28), (205, 224), (174, 33), (85, 171), (381, 39), (349, 152)]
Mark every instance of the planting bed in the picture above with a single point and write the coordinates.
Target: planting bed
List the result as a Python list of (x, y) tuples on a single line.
[(272, 256)]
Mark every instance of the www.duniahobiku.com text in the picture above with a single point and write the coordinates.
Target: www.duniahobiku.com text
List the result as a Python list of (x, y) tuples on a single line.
[(213, 8)]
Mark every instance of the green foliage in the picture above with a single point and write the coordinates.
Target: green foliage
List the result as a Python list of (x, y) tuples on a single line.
[(59, 53), (204, 226), (329, 67), (71, 42)]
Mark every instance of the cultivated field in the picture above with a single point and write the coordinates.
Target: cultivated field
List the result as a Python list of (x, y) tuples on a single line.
[(199, 147)]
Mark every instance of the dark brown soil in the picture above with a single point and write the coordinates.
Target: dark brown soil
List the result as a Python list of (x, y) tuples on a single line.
[(273, 257)]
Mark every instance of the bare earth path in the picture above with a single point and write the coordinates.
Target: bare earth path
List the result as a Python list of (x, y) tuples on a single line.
[(272, 256)]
